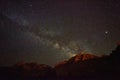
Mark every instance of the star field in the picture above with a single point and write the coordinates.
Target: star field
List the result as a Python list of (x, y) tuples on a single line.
[(55, 30)]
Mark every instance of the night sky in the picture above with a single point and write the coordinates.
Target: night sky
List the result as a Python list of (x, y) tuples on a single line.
[(49, 31)]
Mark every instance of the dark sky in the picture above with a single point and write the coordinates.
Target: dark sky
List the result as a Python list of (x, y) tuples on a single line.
[(49, 31)]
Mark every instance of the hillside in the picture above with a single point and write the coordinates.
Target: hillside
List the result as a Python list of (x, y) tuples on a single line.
[(79, 67)]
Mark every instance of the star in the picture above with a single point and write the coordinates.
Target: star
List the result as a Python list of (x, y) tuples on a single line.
[(106, 32), (57, 28)]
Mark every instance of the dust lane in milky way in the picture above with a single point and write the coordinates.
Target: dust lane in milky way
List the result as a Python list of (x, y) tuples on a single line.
[(49, 31)]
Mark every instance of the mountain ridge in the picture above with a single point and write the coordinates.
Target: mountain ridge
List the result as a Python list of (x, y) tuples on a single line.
[(87, 67)]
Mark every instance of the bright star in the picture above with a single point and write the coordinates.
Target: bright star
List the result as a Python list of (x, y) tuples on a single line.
[(106, 32)]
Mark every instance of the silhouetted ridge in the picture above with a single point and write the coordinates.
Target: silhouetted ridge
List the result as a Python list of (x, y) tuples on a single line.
[(34, 70), (28, 71), (82, 57), (79, 67), (106, 67), (115, 55), (61, 63)]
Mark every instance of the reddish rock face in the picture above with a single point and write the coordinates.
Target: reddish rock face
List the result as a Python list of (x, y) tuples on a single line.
[(78, 58), (61, 63), (81, 66), (34, 70), (82, 57), (76, 65)]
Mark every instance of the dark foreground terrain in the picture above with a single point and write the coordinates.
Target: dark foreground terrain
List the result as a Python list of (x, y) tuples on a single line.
[(79, 67)]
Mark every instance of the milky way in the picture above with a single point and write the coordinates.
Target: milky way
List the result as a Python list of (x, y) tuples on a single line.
[(50, 31)]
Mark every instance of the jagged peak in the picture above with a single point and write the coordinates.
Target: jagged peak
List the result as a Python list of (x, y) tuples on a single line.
[(82, 57)]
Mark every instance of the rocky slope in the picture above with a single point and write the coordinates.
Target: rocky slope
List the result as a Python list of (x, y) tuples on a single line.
[(89, 66), (79, 67)]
